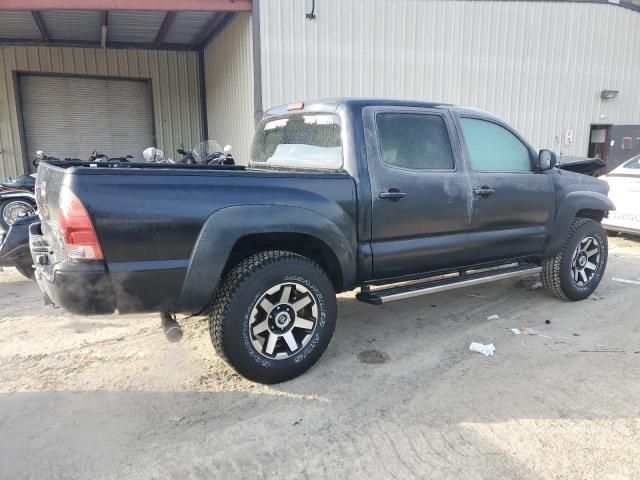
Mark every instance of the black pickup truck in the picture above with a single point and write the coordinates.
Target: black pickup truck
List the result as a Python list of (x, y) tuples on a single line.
[(398, 198)]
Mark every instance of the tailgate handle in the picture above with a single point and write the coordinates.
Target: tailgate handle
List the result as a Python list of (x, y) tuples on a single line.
[(392, 194)]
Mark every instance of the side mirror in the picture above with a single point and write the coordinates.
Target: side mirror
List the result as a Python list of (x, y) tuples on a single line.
[(546, 160)]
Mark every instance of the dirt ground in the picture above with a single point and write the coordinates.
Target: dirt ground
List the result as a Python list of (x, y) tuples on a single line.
[(397, 394)]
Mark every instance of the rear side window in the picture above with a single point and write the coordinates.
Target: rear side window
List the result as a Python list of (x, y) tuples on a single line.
[(414, 141), (493, 148), (299, 141)]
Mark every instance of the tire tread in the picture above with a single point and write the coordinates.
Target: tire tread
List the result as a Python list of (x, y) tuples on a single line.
[(550, 275), (233, 283)]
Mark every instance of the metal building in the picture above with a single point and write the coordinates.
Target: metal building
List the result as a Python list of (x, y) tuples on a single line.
[(130, 72)]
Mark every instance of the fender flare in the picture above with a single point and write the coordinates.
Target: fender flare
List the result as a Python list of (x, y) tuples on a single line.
[(572, 204), (226, 226)]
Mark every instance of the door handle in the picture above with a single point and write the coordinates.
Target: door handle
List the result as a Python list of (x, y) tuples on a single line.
[(393, 194), (484, 191)]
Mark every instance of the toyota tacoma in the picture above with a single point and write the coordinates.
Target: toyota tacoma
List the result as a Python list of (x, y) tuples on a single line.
[(397, 198)]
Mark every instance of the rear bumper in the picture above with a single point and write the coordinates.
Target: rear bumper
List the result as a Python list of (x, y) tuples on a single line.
[(78, 288), (81, 288), (622, 223)]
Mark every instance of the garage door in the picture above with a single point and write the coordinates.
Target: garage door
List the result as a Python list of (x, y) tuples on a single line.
[(73, 116)]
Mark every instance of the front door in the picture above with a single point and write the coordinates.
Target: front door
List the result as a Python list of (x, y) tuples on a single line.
[(513, 202), (420, 191)]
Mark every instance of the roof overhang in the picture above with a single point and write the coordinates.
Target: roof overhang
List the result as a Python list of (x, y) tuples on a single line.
[(141, 24), (166, 5)]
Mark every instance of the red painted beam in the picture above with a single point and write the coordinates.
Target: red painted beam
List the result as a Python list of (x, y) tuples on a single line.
[(164, 5)]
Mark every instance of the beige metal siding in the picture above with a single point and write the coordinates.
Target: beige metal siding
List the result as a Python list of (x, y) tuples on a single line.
[(229, 87), (540, 65), (174, 82)]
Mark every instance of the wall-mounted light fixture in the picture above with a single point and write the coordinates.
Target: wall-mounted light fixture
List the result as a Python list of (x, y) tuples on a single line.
[(312, 14), (608, 94)]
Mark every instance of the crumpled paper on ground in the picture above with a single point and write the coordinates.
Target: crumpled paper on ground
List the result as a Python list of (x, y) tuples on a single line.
[(486, 350)]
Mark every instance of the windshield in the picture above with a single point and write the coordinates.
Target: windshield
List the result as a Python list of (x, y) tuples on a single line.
[(308, 141), (206, 148), (631, 166)]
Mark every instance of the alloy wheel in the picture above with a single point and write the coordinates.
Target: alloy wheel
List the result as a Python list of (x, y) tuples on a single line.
[(283, 320), (15, 210), (585, 261)]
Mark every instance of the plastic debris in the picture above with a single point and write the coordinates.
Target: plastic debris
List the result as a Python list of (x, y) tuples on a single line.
[(536, 285), (624, 280), (493, 317), (486, 350), (528, 331)]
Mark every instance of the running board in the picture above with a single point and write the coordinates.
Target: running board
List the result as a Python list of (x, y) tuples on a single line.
[(384, 295)]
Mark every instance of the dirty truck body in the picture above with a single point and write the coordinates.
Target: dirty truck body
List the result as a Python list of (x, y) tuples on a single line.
[(339, 194)]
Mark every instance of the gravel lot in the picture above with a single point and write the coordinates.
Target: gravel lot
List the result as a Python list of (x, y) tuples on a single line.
[(396, 395)]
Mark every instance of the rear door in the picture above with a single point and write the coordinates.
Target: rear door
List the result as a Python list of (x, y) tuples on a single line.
[(421, 196), (513, 202)]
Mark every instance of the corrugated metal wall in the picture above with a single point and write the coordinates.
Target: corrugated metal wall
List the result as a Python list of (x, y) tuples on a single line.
[(174, 80), (540, 65), (229, 87)]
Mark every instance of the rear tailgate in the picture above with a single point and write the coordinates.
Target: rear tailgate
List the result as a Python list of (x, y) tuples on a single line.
[(48, 185), (80, 287)]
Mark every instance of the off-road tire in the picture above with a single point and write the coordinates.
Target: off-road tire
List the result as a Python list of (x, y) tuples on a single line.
[(237, 295), (556, 274), (25, 268)]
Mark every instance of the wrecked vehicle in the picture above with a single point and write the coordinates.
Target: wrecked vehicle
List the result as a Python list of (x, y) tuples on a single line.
[(338, 194), (624, 184)]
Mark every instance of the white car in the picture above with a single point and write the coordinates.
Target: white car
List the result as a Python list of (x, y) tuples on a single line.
[(624, 184)]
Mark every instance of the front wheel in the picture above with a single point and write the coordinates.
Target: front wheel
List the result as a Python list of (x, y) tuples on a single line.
[(273, 316), (575, 272), (12, 210)]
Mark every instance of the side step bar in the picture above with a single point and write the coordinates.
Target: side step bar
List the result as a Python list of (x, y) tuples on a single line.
[(384, 295)]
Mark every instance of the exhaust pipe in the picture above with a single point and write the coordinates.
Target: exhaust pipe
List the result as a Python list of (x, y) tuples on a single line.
[(170, 327)]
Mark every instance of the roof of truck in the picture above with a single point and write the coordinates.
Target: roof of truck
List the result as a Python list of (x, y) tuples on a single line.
[(332, 103), (335, 102)]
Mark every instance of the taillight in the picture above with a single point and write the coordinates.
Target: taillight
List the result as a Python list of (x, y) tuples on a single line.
[(77, 230)]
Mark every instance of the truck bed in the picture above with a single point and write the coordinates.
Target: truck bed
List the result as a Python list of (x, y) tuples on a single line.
[(148, 218)]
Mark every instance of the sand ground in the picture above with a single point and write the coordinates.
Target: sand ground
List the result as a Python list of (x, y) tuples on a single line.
[(396, 395)]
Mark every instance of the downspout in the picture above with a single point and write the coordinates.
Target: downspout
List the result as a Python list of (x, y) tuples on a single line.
[(257, 63), (203, 94)]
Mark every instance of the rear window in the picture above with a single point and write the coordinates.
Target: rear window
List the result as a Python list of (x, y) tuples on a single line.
[(300, 141)]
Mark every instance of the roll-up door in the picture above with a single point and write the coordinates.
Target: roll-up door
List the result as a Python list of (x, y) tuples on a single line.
[(73, 116)]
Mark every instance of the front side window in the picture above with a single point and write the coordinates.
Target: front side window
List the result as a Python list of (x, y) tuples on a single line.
[(414, 141), (299, 141), (493, 148)]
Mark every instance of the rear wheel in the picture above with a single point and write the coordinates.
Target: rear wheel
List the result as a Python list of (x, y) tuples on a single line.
[(273, 316), (576, 271)]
